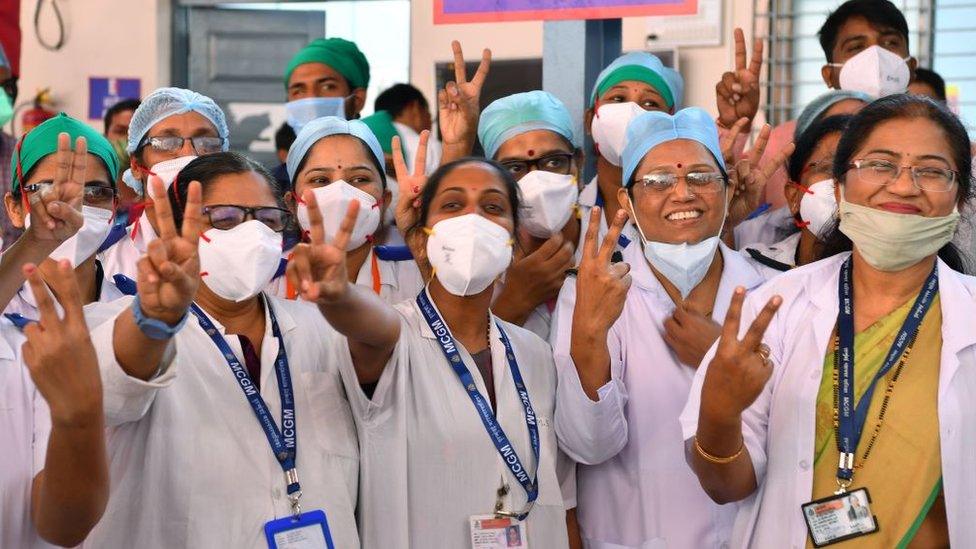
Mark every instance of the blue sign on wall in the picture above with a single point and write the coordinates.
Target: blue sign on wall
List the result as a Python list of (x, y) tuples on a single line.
[(105, 92)]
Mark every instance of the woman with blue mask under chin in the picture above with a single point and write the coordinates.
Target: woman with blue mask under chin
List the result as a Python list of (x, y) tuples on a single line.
[(627, 342), (860, 387)]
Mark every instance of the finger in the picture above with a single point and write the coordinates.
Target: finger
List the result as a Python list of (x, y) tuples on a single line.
[(459, 72), (45, 303), (723, 90), (613, 235), (730, 138), (63, 170), (550, 247), (757, 57), (164, 213), (79, 165), (157, 254), (192, 214), (758, 327), (341, 239), (39, 211), (317, 232), (680, 314), (442, 103), (777, 161), (482, 73), (759, 148), (730, 329), (299, 267), (65, 286), (620, 269), (740, 49), (592, 230), (399, 163), (420, 163), (728, 83), (670, 327), (147, 277)]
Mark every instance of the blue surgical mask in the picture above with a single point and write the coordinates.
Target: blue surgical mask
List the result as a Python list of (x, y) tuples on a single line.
[(303, 111)]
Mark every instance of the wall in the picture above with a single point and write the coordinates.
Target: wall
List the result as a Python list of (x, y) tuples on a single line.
[(700, 66), (107, 38)]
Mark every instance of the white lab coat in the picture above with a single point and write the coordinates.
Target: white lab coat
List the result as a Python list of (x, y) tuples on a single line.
[(410, 140), (122, 257), (190, 465), (25, 424), (779, 427), (783, 251), (765, 229), (635, 489), (25, 304), (427, 462)]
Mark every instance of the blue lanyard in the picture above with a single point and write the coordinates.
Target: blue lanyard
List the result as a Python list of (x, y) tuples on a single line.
[(851, 416), (481, 405), (283, 442)]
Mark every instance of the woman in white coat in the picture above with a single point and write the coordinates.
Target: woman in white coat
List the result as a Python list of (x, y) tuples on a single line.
[(626, 352), (861, 386)]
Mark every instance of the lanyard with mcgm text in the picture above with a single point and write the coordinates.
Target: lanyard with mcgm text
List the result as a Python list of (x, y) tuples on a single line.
[(481, 405), (851, 416), (284, 442)]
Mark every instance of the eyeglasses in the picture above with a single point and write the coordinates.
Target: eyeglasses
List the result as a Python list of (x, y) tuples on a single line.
[(560, 163), (204, 144), (883, 172), (698, 182), (227, 216), (825, 166), (98, 196)]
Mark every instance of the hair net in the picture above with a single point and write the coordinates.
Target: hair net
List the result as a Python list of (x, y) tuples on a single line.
[(324, 127), (650, 129), (642, 67), (342, 55), (818, 106), (519, 113), (381, 124), (166, 102)]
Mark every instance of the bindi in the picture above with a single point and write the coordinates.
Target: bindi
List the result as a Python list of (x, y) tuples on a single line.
[(531, 153), (679, 165)]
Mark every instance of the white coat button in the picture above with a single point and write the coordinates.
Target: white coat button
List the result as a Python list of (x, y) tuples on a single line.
[(804, 464)]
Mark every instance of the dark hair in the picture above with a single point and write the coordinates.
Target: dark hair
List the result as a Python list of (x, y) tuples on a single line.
[(893, 107), (809, 140), (434, 182), (206, 169), (880, 14), (121, 106), (284, 137), (381, 168), (933, 80), (397, 98)]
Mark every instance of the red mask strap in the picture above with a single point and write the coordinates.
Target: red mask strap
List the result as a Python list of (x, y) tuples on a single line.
[(802, 187)]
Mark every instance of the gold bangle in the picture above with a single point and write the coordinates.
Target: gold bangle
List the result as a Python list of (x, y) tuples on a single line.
[(719, 460)]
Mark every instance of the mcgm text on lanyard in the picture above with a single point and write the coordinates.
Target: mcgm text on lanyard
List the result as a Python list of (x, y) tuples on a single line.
[(283, 442), (850, 416), (482, 406)]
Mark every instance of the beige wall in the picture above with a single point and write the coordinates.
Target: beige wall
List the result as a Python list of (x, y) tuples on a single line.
[(701, 66), (105, 38)]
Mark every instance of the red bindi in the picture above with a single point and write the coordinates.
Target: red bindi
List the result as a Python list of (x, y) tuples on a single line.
[(679, 165), (531, 152)]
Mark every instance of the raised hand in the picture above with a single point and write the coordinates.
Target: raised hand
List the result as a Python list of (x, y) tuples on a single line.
[(407, 208), (56, 210), (737, 93), (459, 105), (749, 176), (318, 269), (534, 279), (727, 140), (740, 369), (690, 334), (169, 273), (59, 352), (601, 286)]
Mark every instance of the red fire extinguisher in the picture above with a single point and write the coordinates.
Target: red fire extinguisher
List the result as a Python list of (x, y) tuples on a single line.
[(33, 116)]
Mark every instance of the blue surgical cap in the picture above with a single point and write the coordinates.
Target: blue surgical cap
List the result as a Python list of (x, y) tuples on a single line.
[(818, 106), (519, 113), (650, 129), (643, 67), (323, 127), (166, 102)]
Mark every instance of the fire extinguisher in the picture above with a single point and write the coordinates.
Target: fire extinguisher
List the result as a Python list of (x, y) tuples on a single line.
[(33, 116)]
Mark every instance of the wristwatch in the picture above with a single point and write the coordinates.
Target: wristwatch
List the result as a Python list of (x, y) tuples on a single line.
[(152, 328)]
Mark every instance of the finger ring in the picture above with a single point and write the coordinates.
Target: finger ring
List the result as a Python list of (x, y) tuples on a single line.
[(764, 351)]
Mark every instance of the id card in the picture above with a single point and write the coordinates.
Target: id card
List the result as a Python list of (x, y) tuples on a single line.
[(309, 531), (839, 517), (491, 532)]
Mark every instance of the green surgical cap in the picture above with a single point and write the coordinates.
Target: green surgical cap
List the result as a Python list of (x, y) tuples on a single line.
[(43, 140), (342, 55), (382, 125), (641, 67), (519, 113)]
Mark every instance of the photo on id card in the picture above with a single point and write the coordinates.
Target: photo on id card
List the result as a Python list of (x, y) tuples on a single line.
[(839, 517), (491, 532)]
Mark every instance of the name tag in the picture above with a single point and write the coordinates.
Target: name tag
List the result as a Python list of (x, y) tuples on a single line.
[(491, 532), (309, 531), (840, 517)]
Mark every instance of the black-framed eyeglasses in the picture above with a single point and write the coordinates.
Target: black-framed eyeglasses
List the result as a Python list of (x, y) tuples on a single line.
[(883, 172), (228, 216), (203, 144), (561, 163), (698, 182), (94, 195)]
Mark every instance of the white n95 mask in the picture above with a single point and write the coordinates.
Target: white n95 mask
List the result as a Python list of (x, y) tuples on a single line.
[(548, 201), (302, 111), (609, 129), (238, 263), (333, 200), (818, 207), (468, 253), (167, 171), (875, 71), (84, 243)]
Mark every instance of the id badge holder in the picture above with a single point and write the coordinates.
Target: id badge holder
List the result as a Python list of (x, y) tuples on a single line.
[(497, 532), (309, 531), (839, 517)]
